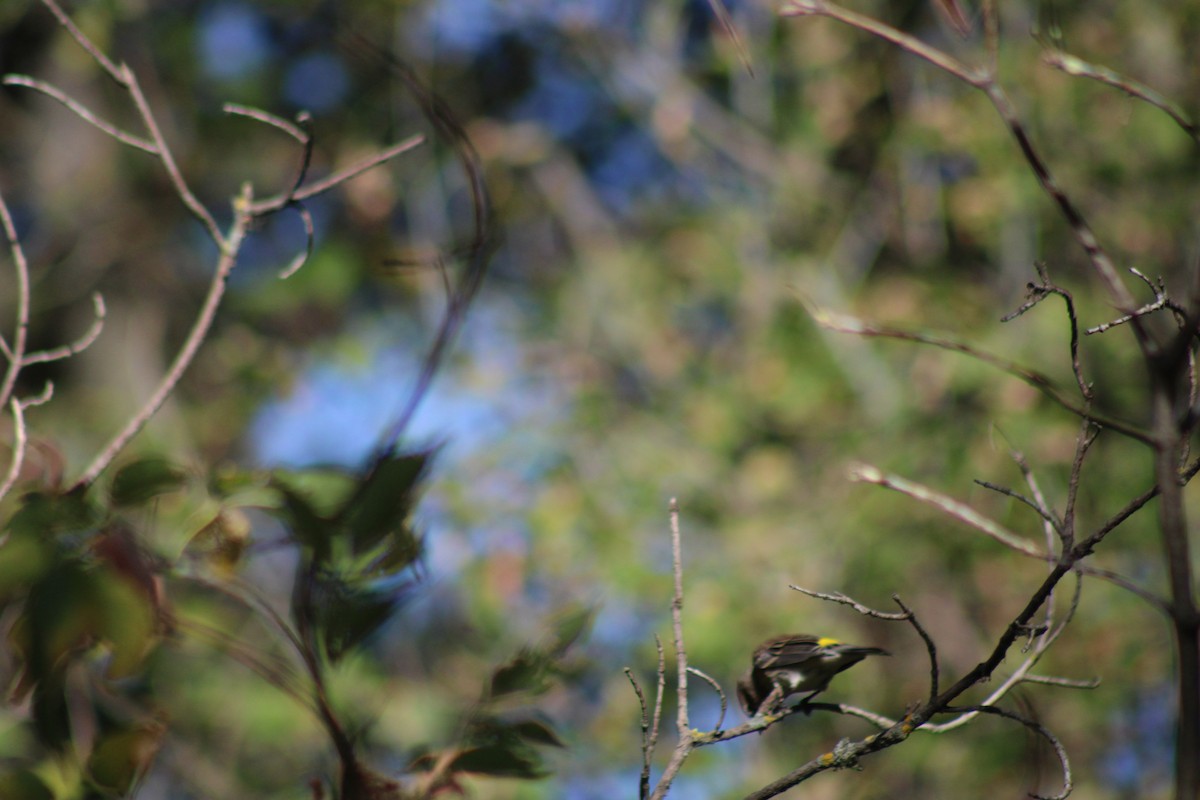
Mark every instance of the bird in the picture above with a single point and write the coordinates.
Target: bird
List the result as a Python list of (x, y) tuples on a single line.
[(792, 664)]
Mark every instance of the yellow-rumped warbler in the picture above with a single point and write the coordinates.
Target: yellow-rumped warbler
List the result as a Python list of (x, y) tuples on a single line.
[(795, 663)]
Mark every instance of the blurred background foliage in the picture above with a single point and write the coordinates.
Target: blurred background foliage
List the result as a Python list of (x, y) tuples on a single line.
[(641, 335)]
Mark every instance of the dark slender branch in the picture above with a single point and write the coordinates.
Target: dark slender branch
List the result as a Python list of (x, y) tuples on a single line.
[(1044, 513), (644, 777), (838, 597), (930, 647), (1077, 67), (1037, 292), (846, 324), (1087, 436), (1037, 728), (660, 689)]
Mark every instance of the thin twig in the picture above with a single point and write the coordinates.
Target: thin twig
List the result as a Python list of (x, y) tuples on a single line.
[(16, 350), (309, 234), (660, 689), (1077, 67), (1039, 729), (187, 352), (17, 451), (838, 597), (930, 647), (1036, 294), (941, 60), (1083, 443), (65, 21), (716, 688), (843, 323), (325, 184), (1067, 683), (644, 777), (1015, 495), (726, 22), (168, 160), (267, 118), (82, 111), (960, 511), (991, 37), (984, 80), (76, 347), (684, 746)]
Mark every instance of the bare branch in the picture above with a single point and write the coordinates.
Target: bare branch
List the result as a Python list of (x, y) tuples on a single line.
[(1083, 443), (325, 184), (168, 160), (952, 507), (717, 688), (930, 647), (108, 66), (16, 350), (1079, 68), (684, 746), (726, 22), (1042, 731), (1037, 292), (17, 451), (187, 352), (984, 80), (79, 345), (82, 111), (267, 118), (644, 778), (838, 597), (846, 324), (301, 258), (1068, 683), (659, 693), (1045, 514), (941, 60)]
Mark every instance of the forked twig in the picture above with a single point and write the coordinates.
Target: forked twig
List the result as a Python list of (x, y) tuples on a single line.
[(1077, 67), (843, 323), (716, 688), (960, 511)]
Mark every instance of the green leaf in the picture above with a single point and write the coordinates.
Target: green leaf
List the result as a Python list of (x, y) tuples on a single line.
[(501, 761), (383, 503), (568, 628), (24, 557), (222, 542), (505, 748), (122, 755), (345, 614), (23, 784), (128, 624), (145, 479), (537, 732), (526, 672), (43, 514), (312, 530)]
